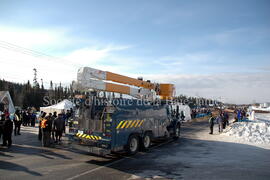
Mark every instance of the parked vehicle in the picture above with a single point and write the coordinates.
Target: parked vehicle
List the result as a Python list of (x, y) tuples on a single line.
[(131, 124)]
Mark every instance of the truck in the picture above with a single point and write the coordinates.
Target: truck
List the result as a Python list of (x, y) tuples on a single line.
[(142, 112)]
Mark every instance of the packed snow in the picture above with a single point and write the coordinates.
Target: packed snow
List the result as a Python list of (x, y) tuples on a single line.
[(253, 132), (264, 117)]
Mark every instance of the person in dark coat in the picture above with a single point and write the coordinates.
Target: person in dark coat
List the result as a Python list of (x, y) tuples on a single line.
[(2, 121), (46, 129), (28, 121), (59, 126), (182, 116), (7, 136), (211, 123), (33, 118), (17, 123), (24, 116), (226, 120)]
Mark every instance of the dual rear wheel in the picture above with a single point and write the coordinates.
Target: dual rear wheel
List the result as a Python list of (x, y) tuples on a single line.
[(134, 143)]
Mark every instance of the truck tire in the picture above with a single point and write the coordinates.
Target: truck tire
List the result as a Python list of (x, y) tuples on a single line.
[(132, 145), (176, 132), (146, 141)]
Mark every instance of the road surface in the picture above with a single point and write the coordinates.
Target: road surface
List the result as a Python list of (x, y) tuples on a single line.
[(197, 155)]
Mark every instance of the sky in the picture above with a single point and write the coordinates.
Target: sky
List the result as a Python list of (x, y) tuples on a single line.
[(213, 49)]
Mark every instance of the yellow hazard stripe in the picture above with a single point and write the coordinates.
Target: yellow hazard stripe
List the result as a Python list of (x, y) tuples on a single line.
[(119, 125), (88, 136), (129, 123), (138, 121), (124, 125), (134, 122), (141, 123)]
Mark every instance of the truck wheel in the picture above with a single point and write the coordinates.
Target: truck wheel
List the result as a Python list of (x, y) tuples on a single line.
[(177, 132), (146, 141), (133, 144)]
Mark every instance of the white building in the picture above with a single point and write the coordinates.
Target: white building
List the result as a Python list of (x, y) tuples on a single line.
[(6, 102)]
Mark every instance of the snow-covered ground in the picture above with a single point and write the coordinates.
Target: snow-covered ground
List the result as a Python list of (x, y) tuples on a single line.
[(265, 117), (253, 132), (256, 131)]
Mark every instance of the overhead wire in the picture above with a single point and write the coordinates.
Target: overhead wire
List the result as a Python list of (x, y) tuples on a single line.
[(34, 53)]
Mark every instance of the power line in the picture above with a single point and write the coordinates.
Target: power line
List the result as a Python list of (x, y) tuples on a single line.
[(34, 53)]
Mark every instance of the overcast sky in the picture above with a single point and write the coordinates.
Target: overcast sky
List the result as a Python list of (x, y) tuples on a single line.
[(207, 48)]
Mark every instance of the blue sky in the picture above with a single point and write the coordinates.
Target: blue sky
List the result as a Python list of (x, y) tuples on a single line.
[(207, 48)]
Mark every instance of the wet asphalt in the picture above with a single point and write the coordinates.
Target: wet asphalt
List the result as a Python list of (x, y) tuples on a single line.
[(193, 156)]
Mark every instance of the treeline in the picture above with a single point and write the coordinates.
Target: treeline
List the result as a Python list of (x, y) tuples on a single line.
[(194, 102), (27, 95)]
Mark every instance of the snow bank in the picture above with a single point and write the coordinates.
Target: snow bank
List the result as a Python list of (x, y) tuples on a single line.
[(262, 117), (253, 132)]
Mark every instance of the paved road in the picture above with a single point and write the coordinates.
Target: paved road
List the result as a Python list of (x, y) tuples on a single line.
[(196, 155)]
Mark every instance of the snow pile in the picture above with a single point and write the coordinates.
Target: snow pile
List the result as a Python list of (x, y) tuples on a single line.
[(262, 117), (253, 132)]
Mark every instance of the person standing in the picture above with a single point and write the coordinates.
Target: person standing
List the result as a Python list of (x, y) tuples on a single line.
[(42, 116), (211, 123), (220, 123), (17, 123), (7, 136), (182, 116), (59, 126), (33, 119), (46, 128), (24, 115), (2, 121), (53, 126), (28, 121), (226, 120), (239, 115)]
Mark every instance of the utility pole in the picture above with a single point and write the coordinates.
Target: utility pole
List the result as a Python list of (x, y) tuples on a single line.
[(35, 82), (42, 87)]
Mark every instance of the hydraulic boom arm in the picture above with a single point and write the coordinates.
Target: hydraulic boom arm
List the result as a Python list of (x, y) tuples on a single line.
[(89, 78)]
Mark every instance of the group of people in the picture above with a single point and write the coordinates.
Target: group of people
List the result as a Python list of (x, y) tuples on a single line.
[(195, 112), (8, 123), (29, 118), (52, 127), (240, 115), (222, 120)]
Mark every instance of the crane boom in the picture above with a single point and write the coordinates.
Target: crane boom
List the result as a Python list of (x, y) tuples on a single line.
[(93, 78)]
